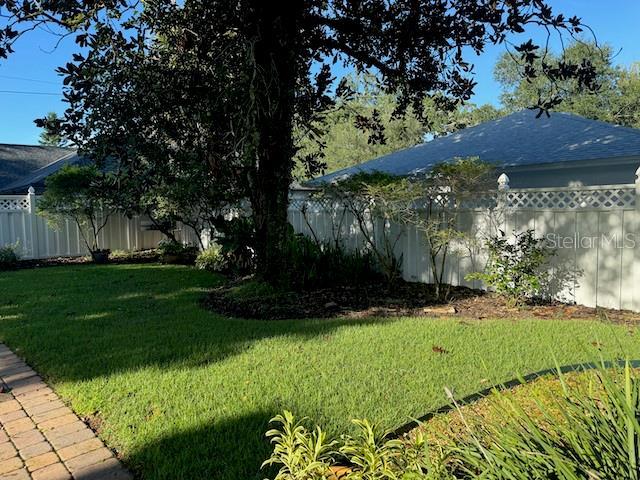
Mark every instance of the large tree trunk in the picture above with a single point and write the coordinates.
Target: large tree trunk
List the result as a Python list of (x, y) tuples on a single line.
[(274, 26)]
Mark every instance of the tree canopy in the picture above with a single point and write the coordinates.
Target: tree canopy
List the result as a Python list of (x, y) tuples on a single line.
[(617, 100), (225, 83)]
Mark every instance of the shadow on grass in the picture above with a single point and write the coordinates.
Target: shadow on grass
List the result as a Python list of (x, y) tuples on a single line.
[(82, 322), (230, 450)]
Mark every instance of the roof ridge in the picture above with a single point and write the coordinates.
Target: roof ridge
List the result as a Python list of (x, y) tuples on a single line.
[(59, 159), (35, 146), (579, 118)]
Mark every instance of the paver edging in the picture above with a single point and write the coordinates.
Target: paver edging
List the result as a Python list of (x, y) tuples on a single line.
[(42, 437)]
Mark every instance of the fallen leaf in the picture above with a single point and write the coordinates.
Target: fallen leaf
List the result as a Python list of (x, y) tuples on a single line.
[(438, 349)]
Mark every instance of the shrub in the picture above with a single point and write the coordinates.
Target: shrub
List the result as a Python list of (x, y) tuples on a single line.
[(237, 243), (516, 269), (9, 257), (303, 454), (310, 265), (170, 247), (134, 256), (173, 252), (211, 259)]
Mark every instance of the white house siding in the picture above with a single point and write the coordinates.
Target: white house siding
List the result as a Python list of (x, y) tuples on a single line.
[(607, 171)]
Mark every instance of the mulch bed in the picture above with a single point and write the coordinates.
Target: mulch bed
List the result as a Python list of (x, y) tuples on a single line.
[(141, 256), (351, 301), (403, 300)]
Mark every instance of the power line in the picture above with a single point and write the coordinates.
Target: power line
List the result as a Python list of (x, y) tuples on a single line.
[(25, 79), (18, 92)]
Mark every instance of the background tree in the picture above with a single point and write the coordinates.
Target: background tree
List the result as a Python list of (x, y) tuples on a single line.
[(627, 105), (617, 99), (340, 140), (470, 115), (341, 137), (50, 134), (255, 60)]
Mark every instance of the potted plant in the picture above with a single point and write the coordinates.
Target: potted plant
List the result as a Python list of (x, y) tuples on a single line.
[(100, 256)]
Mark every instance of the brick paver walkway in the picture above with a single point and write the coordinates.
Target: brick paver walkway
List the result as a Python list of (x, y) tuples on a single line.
[(42, 439)]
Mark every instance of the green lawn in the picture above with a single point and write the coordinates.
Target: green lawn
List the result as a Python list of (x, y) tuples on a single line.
[(185, 394)]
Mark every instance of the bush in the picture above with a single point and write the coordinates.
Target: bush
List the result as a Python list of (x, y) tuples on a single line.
[(9, 257), (134, 256), (211, 259), (177, 253), (237, 244), (311, 265), (170, 247), (303, 454), (516, 269)]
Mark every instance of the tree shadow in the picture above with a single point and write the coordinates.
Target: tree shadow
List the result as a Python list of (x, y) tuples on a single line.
[(86, 322), (228, 450)]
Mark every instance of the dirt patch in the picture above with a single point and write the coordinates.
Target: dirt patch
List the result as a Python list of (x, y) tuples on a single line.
[(94, 422), (494, 306), (402, 300)]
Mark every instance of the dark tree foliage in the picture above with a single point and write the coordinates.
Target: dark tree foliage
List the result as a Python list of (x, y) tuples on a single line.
[(223, 83)]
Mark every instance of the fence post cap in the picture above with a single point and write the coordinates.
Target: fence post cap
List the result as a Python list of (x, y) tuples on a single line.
[(31, 190), (503, 182), (638, 175)]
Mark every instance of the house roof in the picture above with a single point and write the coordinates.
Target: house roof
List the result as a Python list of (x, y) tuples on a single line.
[(515, 140), (22, 166)]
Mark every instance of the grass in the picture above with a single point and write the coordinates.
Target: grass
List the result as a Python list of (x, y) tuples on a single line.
[(184, 394), (535, 398)]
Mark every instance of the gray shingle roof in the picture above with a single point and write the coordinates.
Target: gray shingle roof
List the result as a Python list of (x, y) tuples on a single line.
[(24, 165), (515, 140)]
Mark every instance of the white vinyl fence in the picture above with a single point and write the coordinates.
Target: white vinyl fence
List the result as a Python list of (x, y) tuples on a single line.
[(35, 239), (595, 232)]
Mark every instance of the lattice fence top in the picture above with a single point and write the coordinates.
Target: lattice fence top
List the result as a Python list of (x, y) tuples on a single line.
[(313, 204), (608, 197), (575, 198), (14, 203)]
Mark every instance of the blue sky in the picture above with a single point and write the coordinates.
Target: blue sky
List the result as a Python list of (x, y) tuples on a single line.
[(32, 67)]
